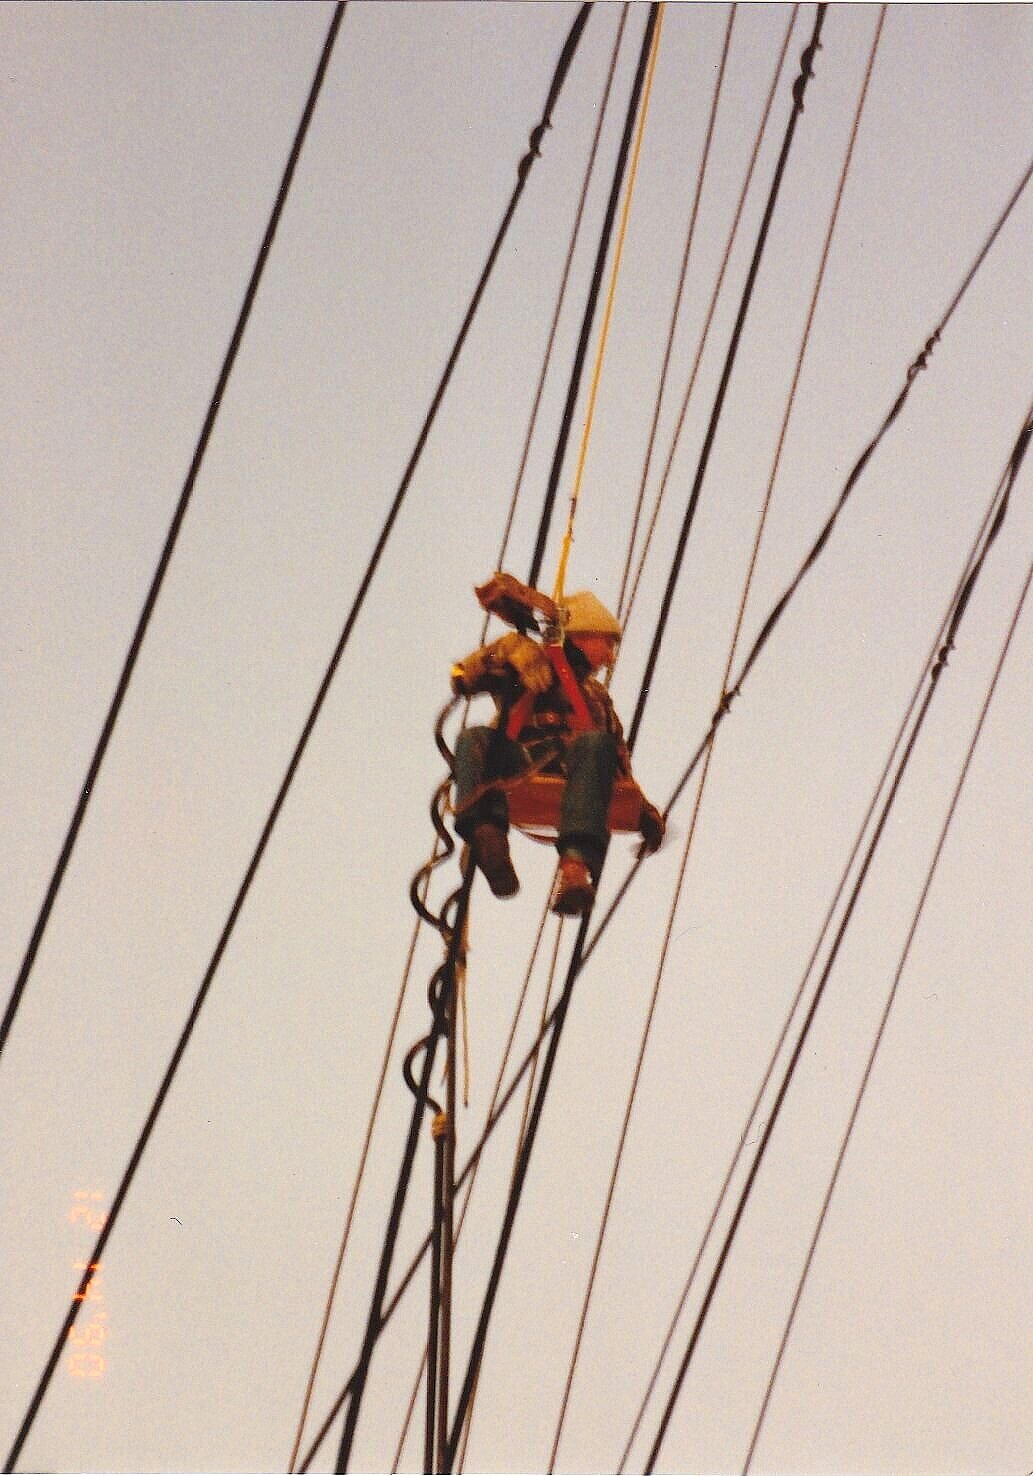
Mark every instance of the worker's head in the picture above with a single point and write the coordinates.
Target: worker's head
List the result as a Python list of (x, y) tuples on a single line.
[(592, 628)]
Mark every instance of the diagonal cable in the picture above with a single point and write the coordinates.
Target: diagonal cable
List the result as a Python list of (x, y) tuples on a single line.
[(733, 646), (957, 615), (171, 538), (826, 1202)]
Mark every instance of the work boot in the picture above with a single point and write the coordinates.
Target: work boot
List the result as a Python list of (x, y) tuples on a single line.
[(575, 889), (491, 852)]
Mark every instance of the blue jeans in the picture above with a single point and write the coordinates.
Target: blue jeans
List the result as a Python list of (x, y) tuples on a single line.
[(589, 765)]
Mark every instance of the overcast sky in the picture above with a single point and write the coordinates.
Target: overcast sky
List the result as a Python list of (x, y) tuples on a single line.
[(143, 146)]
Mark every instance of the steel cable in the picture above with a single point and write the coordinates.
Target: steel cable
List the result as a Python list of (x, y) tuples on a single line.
[(171, 537), (880, 1032), (957, 615)]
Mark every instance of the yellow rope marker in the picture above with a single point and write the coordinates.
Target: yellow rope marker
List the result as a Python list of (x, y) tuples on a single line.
[(439, 1125), (568, 537)]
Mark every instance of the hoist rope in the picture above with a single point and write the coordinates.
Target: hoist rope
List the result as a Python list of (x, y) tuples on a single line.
[(437, 852), (799, 87), (919, 363), (957, 615), (701, 175), (827, 1200), (729, 661), (589, 310), (711, 309), (523, 171), (172, 536), (611, 293)]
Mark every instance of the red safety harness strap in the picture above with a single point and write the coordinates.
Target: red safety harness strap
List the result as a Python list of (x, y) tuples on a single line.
[(580, 720)]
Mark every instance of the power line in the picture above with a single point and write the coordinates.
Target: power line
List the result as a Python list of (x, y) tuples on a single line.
[(523, 170), (799, 86), (801, 987), (961, 604), (880, 1032), (171, 538), (690, 836)]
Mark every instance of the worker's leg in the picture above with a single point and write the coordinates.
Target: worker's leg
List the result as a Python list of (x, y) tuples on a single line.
[(483, 820), (590, 762)]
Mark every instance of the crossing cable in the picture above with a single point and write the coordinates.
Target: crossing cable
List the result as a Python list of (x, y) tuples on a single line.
[(437, 852), (523, 171), (826, 1202), (807, 972), (624, 610), (590, 306), (171, 537), (683, 272), (724, 707), (799, 86), (914, 368), (733, 646), (957, 616)]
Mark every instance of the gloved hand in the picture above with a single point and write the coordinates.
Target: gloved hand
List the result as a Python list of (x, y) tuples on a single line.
[(529, 661), (651, 826)]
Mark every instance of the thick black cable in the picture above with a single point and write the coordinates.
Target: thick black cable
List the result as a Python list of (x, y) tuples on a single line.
[(590, 304), (799, 88), (375, 1320), (961, 604), (171, 537), (523, 169), (918, 364), (558, 1018)]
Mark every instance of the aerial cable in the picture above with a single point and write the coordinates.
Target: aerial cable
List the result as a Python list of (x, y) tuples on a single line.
[(826, 1202), (157, 579), (523, 171), (799, 87), (806, 976), (957, 615), (712, 307), (604, 332), (733, 646), (919, 363), (589, 310), (521, 1134), (436, 853)]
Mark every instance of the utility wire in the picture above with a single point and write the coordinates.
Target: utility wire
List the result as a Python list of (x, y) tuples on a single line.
[(957, 616), (589, 312), (712, 307), (805, 979), (774, 616), (171, 537), (683, 272), (799, 87), (499, 564), (523, 170), (826, 1202), (733, 646)]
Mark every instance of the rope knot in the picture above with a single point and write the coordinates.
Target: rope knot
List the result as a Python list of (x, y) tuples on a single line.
[(923, 358), (806, 72)]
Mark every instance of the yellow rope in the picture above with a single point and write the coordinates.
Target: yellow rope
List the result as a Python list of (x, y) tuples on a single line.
[(568, 537)]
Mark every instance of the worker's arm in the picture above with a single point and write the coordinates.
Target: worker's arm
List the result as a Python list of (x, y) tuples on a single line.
[(512, 656)]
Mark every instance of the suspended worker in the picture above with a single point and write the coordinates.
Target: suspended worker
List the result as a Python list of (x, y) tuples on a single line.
[(552, 717)]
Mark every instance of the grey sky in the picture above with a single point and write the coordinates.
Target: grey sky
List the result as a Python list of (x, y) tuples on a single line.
[(142, 148)]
